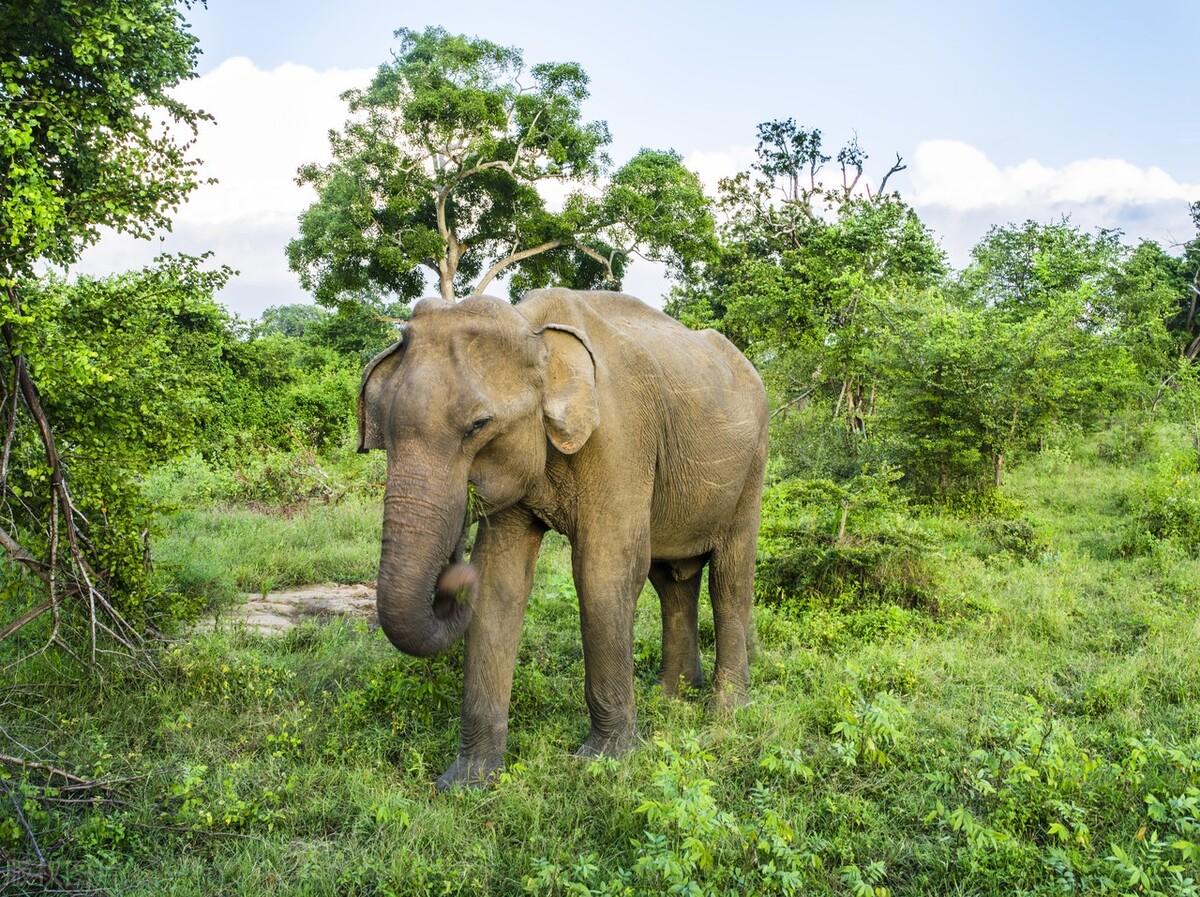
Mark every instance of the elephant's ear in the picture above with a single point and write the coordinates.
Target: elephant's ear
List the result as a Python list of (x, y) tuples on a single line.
[(569, 391), (370, 432)]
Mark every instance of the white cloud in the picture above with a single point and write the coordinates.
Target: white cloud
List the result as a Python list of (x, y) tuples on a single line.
[(268, 123), (959, 176), (960, 193)]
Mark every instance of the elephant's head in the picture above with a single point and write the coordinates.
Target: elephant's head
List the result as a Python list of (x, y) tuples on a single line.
[(470, 396)]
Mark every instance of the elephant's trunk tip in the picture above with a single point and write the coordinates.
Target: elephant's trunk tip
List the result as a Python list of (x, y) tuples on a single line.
[(427, 628), (457, 587)]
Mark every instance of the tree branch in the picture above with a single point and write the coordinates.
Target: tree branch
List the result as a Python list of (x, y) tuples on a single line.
[(25, 619), (52, 770), (512, 260), (895, 169), (606, 262)]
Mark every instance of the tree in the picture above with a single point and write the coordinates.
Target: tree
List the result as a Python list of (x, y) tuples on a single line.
[(295, 320), (1020, 268), (84, 91), (1188, 319), (807, 266), (439, 171)]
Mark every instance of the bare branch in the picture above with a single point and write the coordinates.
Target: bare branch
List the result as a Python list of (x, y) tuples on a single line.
[(895, 169), (25, 619), (606, 262), (51, 770), (21, 555), (512, 260), (793, 402)]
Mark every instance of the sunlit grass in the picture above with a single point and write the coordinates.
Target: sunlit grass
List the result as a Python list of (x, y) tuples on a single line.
[(303, 764)]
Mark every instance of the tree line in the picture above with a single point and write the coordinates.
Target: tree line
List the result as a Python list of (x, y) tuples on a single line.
[(890, 372)]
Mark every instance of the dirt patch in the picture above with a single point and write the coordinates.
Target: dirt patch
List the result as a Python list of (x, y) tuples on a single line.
[(277, 612)]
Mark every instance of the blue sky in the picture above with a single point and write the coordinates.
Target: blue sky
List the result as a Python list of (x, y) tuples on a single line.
[(1004, 110)]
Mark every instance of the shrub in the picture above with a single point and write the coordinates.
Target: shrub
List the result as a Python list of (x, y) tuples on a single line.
[(1025, 807), (1164, 507), (691, 844), (821, 538), (1013, 536)]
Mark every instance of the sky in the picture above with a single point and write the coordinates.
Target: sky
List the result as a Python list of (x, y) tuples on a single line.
[(1002, 111)]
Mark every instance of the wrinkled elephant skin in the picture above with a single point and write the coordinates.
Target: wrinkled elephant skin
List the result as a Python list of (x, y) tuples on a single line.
[(592, 414)]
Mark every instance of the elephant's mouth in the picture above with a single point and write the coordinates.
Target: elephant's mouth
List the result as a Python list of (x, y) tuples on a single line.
[(457, 583)]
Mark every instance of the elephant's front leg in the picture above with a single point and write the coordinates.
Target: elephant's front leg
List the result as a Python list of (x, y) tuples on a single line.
[(506, 550), (609, 574)]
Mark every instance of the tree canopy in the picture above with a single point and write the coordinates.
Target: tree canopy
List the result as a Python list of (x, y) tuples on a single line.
[(89, 135), (443, 170), (89, 138)]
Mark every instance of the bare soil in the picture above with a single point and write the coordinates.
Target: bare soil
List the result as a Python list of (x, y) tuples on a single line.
[(277, 612)]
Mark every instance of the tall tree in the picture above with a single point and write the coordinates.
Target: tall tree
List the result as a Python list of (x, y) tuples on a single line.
[(807, 263), (84, 97), (442, 167)]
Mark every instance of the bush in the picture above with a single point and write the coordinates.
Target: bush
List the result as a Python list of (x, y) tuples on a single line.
[(1024, 807), (1164, 507), (1013, 536), (820, 538)]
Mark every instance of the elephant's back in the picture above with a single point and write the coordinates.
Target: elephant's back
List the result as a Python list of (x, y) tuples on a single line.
[(634, 338)]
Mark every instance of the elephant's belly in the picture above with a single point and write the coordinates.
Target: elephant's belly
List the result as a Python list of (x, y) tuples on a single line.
[(681, 529), (696, 501)]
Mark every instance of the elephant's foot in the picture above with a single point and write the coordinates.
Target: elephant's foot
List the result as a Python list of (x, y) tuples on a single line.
[(610, 745), (730, 694), (469, 772)]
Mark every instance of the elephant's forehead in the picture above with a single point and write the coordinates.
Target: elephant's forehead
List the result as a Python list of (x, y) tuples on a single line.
[(448, 338)]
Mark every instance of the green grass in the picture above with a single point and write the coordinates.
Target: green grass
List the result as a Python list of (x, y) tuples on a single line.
[(217, 552), (1039, 733)]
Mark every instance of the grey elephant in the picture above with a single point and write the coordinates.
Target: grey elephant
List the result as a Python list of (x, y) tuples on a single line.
[(592, 414)]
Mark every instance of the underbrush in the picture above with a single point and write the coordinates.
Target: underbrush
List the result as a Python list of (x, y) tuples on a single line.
[(269, 478), (944, 702), (851, 561), (1163, 506)]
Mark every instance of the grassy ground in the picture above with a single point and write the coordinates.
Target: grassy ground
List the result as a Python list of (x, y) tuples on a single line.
[(1037, 732)]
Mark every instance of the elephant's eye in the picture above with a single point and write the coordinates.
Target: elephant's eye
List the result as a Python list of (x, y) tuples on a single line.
[(478, 425)]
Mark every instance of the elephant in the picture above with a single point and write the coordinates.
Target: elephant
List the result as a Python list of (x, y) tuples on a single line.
[(597, 416)]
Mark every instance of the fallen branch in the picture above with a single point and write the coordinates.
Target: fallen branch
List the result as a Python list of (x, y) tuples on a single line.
[(25, 619), (52, 771), (43, 874)]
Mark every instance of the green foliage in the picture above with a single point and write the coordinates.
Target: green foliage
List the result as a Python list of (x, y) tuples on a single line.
[(1021, 809), (438, 170), (805, 272), (1163, 508), (854, 544), (1015, 536), (873, 353), (129, 369), (82, 86), (90, 138), (868, 727), (691, 845)]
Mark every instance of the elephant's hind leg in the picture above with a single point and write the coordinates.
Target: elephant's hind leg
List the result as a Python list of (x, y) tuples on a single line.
[(731, 586), (679, 600)]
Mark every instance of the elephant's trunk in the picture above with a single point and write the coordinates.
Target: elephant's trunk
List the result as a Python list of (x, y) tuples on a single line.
[(424, 592)]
